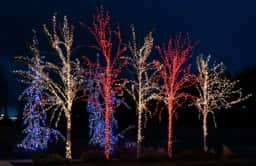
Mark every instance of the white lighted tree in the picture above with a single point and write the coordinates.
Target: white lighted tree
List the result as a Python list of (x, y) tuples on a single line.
[(62, 76), (69, 72), (62, 80), (216, 92), (143, 88)]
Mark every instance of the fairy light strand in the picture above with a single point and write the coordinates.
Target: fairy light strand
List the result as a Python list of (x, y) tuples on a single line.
[(36, 133), (215, 92), (110, 85), (96, 118), (144, 87), (175, 75)]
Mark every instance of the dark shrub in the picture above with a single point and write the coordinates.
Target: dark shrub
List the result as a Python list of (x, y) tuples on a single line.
[(44, 158), (92, 156), (194, 154), (154, 155)]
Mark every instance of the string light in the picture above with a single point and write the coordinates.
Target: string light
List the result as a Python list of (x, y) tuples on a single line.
[(175, 77), (96, 118), (37, 134), (215, 92), (70, 73), (110, 84), (63, 80), (144, 87)]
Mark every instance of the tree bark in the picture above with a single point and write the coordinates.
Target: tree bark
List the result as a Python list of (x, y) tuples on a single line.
[(107, 145), (139, 135), (205, 132), (68, 141), (108, 105), (170, 153)]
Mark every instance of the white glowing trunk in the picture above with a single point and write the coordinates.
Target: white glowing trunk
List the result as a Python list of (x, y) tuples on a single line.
[(205, 132), (140, 109), (68, 141)]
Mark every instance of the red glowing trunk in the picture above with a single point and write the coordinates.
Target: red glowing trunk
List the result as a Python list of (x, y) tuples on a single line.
[(107, 146), (108, 104), (170, 107)]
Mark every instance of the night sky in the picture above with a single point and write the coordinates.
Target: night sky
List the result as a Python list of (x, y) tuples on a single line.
[(225, 29)]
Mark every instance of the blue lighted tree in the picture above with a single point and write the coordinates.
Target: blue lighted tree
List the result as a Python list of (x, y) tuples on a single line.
[(36, 133)]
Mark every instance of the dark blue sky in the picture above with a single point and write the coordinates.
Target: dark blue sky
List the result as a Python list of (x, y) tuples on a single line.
[(225, 29)]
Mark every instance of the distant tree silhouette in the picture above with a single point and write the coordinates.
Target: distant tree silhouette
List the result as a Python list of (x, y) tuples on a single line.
[(247, 81), (1, 87), (3, 92)]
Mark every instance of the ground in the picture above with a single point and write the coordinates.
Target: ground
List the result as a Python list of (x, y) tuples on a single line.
[(225, 162), (239, 145)]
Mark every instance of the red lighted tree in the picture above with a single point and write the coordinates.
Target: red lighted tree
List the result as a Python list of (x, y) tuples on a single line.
[(175, 75), (110, 49)]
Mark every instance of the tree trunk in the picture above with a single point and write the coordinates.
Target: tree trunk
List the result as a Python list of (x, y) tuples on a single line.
[(68, 141), (139, 136), (205, 132), (139, 139), (107, 145), (108, 107), (108, 104), (170, 153)]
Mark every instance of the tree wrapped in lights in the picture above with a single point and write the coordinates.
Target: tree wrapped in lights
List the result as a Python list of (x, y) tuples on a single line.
[(175, 74), (96, 118), (37, 134), (66, 78), (110, 84), (62, 81), (143, 88), (215, 92)]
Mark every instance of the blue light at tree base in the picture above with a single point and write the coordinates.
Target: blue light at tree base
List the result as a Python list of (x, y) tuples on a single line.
[(37, 135), (97, 124)]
